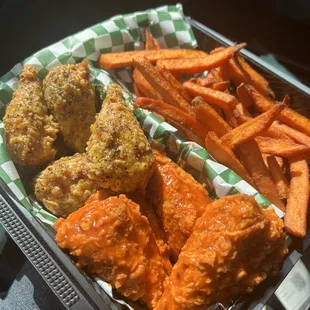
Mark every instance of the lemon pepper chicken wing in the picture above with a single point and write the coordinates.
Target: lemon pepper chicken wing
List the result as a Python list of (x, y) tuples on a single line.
[(71, 99), (179, 200), (120, 156), (30, 132), (234, 246), (111, 239), (63, 186)]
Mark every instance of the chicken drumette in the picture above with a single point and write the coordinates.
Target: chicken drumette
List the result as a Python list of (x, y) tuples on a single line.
[(30, 131), (120, 157), (112, 240), (179, 200), (234, 246), (63, 186), (71, 99)]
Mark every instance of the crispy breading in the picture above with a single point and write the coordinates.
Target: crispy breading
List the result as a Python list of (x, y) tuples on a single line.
[(234, 246), (112, 240), (179, 200), (63, 186), (30, 132), (120, 156), (71, 99)]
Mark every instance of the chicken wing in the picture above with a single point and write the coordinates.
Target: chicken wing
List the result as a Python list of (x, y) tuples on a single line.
[(71, 99), (111, 239), (30, 132), (120, 156), (139, 197), (235, 245), (63, 186), (179, 200)]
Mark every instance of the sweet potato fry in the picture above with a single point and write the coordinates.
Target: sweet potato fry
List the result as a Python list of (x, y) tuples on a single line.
[(252, 158), (144, 87), (217, 49), (221, 99), (224, 72), (235, 73), (287, 100), (242, 110), (208, 116), (287, 116), (136, 90), (176, 85), (125, 59), (225, 156), (220, 85), (253, 128), (215, 73), (230, 118), (180, 78), (188, 134), (218, 110), (156, 80), (206, 81), (254, 77), (278, 177), (272, 132), (150, 42), (244, 96), (295, 220), (281, 147), (279, 160), (197, 65), (173, 113), (294, 134)]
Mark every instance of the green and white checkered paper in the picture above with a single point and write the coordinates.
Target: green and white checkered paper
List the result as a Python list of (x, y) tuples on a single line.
[(123, 33)]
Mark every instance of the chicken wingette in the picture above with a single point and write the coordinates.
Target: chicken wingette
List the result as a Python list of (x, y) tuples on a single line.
[(63, 186), (179, 200), (71, 99), (139, 197), (30, 131), (234, 246), (112, 240), (120, 156)]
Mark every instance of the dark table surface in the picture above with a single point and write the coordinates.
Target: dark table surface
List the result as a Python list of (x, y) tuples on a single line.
[(280, 28)]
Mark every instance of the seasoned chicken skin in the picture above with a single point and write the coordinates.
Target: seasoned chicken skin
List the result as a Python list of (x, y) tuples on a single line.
[(71, 99), (120, 156), (111, 239), (63, 186), (30, 132), (179, 200), (235, 245)]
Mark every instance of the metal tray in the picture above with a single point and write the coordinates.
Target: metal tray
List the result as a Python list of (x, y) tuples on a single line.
[(75, 289)]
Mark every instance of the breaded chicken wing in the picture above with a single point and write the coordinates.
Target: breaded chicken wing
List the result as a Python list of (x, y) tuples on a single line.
[(235, 245), (120, 156), (179, 200), (63, 186), (71, 99), (30, 132), (112, 240), (139, 197)]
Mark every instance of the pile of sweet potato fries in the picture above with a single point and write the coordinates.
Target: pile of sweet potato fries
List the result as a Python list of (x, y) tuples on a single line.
[(247, 129)]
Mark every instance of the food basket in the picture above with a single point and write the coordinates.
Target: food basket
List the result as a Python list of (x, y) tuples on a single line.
[(35, 236)]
